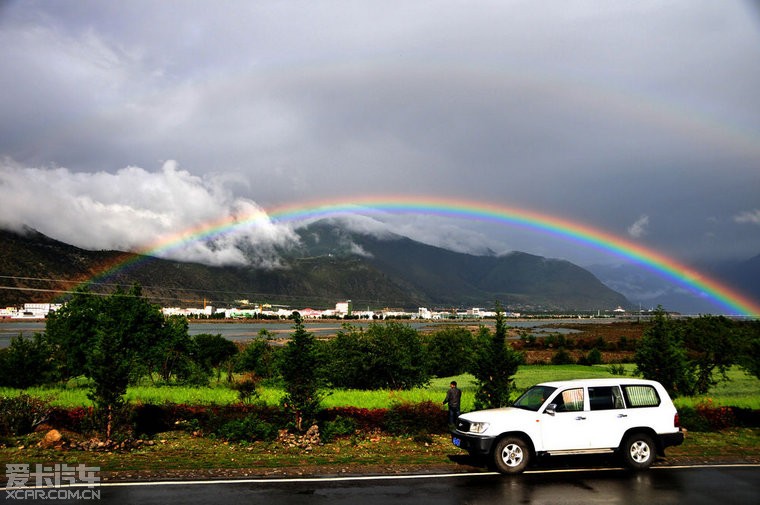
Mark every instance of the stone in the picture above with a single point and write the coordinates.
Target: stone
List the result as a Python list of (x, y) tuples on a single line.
[(51, 439)]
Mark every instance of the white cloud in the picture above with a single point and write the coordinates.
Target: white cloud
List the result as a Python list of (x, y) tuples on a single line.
[(138, 210), (639, 228), (748, 216)]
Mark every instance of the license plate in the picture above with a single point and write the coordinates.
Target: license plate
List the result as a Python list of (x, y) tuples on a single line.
[(456, 441)]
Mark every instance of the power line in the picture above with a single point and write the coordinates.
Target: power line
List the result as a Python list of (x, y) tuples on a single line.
[(240, 294)]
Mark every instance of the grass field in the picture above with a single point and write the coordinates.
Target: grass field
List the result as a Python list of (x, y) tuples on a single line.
[(741, 391), (180, 453)]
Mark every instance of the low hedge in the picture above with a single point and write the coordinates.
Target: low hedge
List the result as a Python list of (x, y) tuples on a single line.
[(261, 422), (704, 418)]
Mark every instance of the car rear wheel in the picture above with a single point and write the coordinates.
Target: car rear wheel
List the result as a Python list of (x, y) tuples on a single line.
[(638, 451), (511, 455)]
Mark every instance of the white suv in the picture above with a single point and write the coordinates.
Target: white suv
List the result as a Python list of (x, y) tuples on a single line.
[(633, 417)]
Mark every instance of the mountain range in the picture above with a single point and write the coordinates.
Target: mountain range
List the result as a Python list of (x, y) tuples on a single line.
[(647, 289), (331, 263)]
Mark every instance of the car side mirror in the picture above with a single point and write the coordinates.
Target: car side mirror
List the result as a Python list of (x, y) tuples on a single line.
[(551, 409)]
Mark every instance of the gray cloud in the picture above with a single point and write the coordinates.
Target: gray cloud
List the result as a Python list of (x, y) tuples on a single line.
[(597, 113)]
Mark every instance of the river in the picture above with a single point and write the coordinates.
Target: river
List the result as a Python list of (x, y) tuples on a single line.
[(241, 331)]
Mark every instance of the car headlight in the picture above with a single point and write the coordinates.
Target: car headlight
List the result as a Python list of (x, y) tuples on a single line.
[(478, 427)]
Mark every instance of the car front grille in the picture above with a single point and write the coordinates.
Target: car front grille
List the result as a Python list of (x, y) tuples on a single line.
[(463, 425)]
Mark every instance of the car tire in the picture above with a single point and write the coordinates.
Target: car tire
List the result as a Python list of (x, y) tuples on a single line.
[(511, 455), (638, 451)]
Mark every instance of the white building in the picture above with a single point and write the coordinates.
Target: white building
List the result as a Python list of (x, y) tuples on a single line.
[(36, 310), (343, 309)]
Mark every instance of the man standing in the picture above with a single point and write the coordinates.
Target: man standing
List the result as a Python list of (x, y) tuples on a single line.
[(453, 395)]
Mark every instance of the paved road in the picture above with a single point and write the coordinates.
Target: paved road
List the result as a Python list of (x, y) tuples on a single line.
[(695, 486)]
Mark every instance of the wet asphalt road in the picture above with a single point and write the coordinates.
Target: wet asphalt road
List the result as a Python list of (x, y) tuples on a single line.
[(694, 486)]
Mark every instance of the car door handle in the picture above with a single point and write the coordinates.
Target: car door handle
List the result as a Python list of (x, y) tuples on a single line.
[(580, 418), (622, 415)]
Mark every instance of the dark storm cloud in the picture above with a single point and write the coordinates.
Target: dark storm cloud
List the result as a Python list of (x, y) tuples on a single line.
[(599, 113)]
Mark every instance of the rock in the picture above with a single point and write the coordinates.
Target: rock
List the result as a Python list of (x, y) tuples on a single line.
[(51, 439)]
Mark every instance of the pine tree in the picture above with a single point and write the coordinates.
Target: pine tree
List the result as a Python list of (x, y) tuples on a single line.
[(661, 355), (495, 365), (300, 371)]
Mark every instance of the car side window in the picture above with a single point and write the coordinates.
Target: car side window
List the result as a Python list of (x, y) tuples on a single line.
[(569, 400), (605, 398), (641, 396)]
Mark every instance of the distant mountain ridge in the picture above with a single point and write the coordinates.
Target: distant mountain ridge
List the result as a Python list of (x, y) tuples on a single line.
[(331, 263), (648, 290), (517, 279)]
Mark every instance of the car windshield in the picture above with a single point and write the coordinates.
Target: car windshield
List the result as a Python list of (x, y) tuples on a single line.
[(533, 398)]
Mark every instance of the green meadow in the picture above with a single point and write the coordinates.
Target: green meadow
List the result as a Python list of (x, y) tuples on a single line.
[(741, 390)]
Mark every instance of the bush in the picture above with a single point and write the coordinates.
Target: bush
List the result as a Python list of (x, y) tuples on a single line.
[(150, 419), (594, 357), (692, 420), (258, 357), (718, 418), (415, 419), (249, 428), (26, 362), (366, 419), (704, 417), (562, 357), (247, 388), (388, 355), (449, 350), (340, 427), (618, 369), (21, 414), (78, 419)]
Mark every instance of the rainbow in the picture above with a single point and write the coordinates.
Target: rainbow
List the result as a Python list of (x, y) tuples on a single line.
[(732, 301)]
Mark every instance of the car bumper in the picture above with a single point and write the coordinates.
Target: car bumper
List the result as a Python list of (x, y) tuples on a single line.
[(472, 443), (671, 439)]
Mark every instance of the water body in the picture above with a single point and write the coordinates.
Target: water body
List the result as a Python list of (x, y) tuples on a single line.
[(242, 331)]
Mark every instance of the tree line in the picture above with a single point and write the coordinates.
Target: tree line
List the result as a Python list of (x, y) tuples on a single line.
[(120, 339), (689, 356)]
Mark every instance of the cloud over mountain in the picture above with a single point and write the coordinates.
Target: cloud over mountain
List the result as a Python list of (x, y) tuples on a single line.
[(137, 210)]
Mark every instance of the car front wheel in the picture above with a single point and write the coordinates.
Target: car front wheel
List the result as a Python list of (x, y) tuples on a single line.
[(638, 451), (511, 455)]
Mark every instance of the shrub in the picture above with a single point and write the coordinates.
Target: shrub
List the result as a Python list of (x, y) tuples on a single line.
[(340, 427), (747, 417), (705, 417), (618, 369), (150, 419), (718, 418), (249, 428), (594, 357), (26, 362), (449, 350), (78, 419), (562, 357), (258, 357), (247, 388), (415, 419), (366, 419), (21, 414), (692, 420), (388, 355)]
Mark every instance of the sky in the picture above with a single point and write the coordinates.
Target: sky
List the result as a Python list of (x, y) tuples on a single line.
[(124, 122)]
